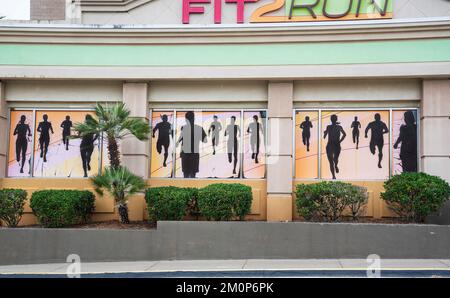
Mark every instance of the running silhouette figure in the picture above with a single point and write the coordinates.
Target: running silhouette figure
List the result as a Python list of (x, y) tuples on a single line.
[(87, 147), (254, 130), (215, 128), (190, 137), (408, 141), (21, 131), (335, 139), (44, 128), (378, 129), (66, 125), (306, 131), (164, 129), (356, 125), (232, 131)]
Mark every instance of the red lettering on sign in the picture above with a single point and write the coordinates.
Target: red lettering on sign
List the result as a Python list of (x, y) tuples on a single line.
[(188, 9), (240, 4)]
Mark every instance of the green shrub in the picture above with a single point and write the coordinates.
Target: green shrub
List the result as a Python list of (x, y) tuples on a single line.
[(58, 208), (168, 203), (225, 201), (328, 200), (357, 201), (413, 196), (11, 205)]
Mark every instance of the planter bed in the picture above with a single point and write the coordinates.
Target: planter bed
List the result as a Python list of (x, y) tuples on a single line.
[(191, 240)]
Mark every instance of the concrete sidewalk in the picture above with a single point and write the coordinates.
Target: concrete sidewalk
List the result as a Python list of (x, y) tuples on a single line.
[(250, 265)]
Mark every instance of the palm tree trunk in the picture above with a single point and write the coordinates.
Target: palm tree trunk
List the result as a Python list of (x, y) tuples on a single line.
[(113, 152), (123, 213)]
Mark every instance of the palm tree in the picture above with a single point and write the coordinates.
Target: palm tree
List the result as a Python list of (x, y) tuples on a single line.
[(120, 183), (114, 123)]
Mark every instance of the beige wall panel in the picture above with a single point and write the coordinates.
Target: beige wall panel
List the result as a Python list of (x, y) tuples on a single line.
[(63, 91), (436, 94), (435, 136), (357, 90), (438, 166), (279, 174), (280, 99), (137, 164), (279, 207), (212, 91), (134, 96), (280, 136)]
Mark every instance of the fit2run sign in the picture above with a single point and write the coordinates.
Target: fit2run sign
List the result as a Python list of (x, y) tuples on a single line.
[(286, 11)]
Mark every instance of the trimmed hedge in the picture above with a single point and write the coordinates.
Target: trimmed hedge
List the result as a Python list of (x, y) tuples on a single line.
[(11, 205), (169, 203), (225, 201), (328, 200), (413, 196), (59, 208)]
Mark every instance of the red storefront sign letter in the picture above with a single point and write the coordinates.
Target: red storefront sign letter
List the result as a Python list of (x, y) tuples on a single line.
[(240, 8), (188, 9)]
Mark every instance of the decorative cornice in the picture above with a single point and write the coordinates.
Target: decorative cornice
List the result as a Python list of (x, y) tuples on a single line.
[(90, 34), (110, 5)]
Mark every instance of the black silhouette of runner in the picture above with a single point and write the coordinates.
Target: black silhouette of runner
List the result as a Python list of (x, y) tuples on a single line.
[(378, 129), (87, 147), (215, 128), (164, 129), (44, 128), (306, 131), (333, 148), (21, 131), (356, 125), (232, 131), (408, 140), (253, 129), (66, 125), (190, 137)]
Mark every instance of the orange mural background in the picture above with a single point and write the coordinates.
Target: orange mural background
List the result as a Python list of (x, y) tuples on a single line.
[(157, 168), (61, 162), (307, 162), (356, 164)]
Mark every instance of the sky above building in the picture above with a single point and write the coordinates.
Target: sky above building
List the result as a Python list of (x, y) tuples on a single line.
[(15, 9)]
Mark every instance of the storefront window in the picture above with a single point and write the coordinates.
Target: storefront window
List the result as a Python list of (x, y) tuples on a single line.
[(255, 124), (306, 144), (355, 144), (208, 144), (20, 143), (42, 145), (56, 154), (162, 144), (404, 137)]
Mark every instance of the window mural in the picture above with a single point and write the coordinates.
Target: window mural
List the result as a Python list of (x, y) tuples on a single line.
[(255, 123), (20, 143), (306, 144), (162, 144), (208, 144), (355, 145), (404, 137), (56, 153)]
